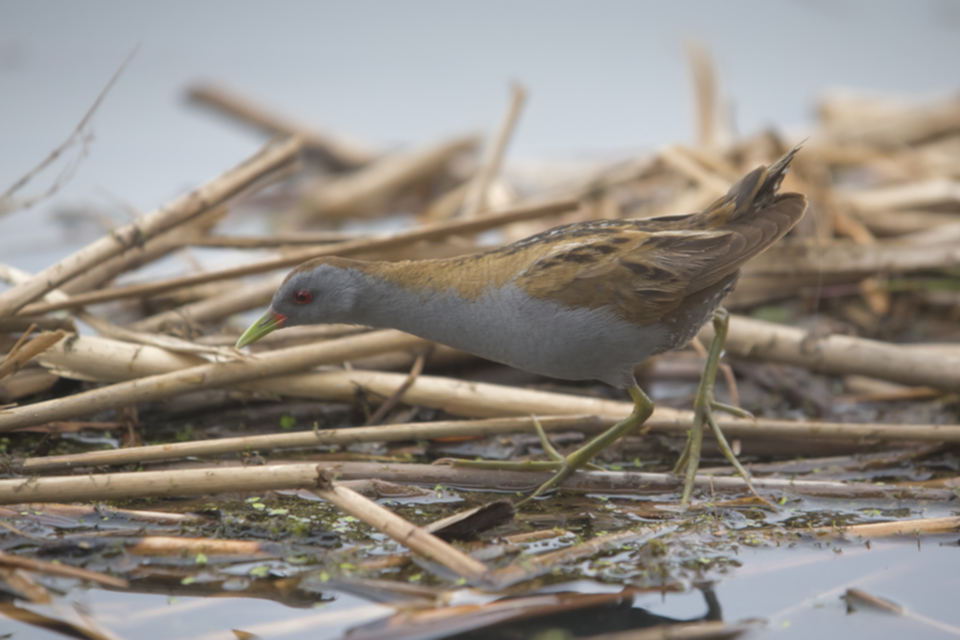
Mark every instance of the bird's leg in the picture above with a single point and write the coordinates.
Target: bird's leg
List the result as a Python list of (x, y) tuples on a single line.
[(642, 409), (564, 466), (703, 407)]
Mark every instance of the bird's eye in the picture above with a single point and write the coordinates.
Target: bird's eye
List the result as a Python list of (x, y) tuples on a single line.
[(302, 297)]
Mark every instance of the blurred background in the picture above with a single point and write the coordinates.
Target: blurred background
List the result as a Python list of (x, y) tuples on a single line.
[(604, 79)]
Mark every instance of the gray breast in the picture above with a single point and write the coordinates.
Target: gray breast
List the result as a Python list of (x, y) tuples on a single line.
[(508, 326)]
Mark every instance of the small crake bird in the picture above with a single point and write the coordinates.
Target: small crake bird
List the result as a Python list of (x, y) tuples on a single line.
[(589, 300)]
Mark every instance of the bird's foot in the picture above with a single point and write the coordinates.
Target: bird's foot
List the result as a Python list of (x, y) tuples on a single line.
[(564, 466), (703, 414)]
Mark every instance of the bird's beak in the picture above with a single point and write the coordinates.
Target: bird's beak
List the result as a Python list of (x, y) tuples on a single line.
[(270, 321)]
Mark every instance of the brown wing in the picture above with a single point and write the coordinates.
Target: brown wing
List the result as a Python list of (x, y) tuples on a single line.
[(644, 273), (641, 275)]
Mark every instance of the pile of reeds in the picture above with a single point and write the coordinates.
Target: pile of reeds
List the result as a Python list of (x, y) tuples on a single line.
[(870, 277)]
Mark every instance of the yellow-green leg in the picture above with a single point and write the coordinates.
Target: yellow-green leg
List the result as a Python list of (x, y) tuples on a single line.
[(703, 407), (564, 466)]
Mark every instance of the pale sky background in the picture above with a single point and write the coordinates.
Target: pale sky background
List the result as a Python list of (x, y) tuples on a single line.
[(603, 77)]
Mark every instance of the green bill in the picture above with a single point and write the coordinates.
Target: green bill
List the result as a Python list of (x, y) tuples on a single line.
[(270, 321)]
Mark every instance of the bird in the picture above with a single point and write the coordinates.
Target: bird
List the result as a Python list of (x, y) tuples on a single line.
[(582, 301)]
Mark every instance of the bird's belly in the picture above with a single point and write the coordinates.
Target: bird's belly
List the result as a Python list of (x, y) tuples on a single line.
[(541, 336)]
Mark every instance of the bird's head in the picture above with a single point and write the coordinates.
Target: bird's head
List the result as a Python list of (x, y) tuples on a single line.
[(316, 292)]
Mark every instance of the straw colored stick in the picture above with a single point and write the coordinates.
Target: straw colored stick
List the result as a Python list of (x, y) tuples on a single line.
[(170, 343), (326, 437), (299, 475), (705, 92), (95, 358), (179, 546), (475, 199), (205, 377), (367, 190), (27, 352), (275, 240), (856, 260), (61, 570), (338, 151), (856, 121), (431, 232), (676, 157), (151, 250), (183, 209), (929, 526), (402, 531), (914, 195), (836, 354), (242, 298)]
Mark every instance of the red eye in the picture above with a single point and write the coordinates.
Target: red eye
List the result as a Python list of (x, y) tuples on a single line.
[(302, 297)]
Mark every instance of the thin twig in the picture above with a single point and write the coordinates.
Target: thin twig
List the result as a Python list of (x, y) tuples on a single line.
[(267, 161), (475, 200), (7, 204), (402, 531)]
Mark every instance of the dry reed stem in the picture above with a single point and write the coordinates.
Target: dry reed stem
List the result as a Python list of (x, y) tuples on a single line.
[(216, 307), (927, 526), (169, 343), (151, 250), (677, 158), (432, 232), (705, 83), (837, 354), (402, 531), (61, 570), (179, 545), (483, 427), (475, 199), (861, 120), (317, 438), (364, 192), (206, 376), (856, 260), (233, 479), (22, 354), (336, 150), (915, 195), (275, 240), (186, 207), (99, 359)]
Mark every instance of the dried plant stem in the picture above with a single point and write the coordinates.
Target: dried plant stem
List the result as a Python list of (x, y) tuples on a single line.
[(206, 376), (61, 570), (475, 200), (177, 546), (340, 153), (402, 531), (275, 240), (99, 359), (929, 526), (216, 307), (23, 354), (316, 438), (227, 479), (151, 250), (185, 208), (365, 191), (837, 354), (433, 231)]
